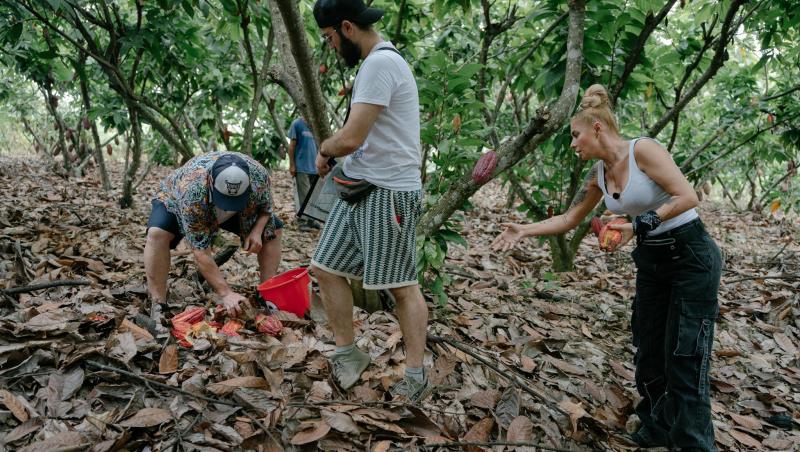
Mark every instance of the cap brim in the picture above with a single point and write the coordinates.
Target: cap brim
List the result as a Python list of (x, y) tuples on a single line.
[(369, 16), (230, 203)]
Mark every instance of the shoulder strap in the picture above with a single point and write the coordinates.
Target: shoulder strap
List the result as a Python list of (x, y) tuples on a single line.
[(350, 100)]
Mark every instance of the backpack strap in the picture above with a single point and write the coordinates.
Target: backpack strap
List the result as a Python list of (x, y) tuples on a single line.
[(350, 100)]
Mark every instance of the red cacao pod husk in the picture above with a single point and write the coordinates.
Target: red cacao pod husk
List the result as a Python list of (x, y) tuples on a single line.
[(611, 237), (268, 324), (456, 123), (86, 123), (109, 149), (484, 167), (232, 327), (191, 315), (597, 226), (179, 330), (323, 69)]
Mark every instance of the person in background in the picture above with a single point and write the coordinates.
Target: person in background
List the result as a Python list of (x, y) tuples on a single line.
[(678, 271), (302, 165), (213, 191)]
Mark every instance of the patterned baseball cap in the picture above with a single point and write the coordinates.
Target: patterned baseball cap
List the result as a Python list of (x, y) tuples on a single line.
[(230, 178)]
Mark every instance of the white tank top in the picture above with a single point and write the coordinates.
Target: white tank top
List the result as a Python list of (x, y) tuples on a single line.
[(640, 195)]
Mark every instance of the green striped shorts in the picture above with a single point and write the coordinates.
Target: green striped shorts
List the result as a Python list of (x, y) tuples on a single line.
[(373, 239)]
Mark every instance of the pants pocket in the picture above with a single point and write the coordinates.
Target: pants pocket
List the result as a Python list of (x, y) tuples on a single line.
[(696, 327)]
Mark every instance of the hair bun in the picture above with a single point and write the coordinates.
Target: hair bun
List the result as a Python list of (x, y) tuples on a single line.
[(595, 97)]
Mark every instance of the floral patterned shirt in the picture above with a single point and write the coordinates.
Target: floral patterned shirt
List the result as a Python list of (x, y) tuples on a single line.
[(185, 193)]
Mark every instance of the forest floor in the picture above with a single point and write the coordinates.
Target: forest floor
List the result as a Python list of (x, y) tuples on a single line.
[(527, 355)]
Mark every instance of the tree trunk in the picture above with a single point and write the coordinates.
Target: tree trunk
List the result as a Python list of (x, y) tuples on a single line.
[(136, 156), (98, 150), (563, 257), (52, 107), (301, 52)]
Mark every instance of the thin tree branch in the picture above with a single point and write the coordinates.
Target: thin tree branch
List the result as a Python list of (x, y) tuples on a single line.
[(46, 285)]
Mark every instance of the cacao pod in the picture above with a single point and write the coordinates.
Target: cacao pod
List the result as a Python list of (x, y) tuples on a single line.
[(191, 315), (611, 237), (456, 123), (116, 141), (268, 324), (69, 134), (86, 123), (179, 331), (707, 188), (109, 149), (597, 226), (323, 69), (232, 327), (484, 167), (57, 151)]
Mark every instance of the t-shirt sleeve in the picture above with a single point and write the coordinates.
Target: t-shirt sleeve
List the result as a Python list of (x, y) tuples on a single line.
[(376, 82), (293, 130)]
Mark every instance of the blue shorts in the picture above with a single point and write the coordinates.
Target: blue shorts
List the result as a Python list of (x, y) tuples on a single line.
[(161, 218)]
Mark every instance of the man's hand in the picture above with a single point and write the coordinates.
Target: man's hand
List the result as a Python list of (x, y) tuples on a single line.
[(509, 238), (293, 171), (323, 167), (253, 243), (231, 303)]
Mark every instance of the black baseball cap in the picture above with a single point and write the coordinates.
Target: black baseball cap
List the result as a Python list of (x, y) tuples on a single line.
[(230, 179), (330, 13)]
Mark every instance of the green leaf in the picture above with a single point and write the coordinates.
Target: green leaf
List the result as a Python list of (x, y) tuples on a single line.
[(452, 236)]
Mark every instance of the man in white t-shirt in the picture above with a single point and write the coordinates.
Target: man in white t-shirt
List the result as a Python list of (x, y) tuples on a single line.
[(373, 238)]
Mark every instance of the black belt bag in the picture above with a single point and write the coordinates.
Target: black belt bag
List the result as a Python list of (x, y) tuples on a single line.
[(350, 190)]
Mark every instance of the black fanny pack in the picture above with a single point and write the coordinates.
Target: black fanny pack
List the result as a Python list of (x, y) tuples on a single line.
[(349, 189)]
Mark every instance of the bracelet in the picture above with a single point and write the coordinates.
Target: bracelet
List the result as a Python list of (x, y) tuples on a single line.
[(646, 222)]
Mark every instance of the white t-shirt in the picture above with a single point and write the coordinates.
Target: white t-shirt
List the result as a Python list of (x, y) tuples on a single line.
[(391, 155)]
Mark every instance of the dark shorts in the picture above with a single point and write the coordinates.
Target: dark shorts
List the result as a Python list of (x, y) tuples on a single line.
[(161, 218)]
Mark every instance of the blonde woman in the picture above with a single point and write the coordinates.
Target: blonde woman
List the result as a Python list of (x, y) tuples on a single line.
[(678, 271)]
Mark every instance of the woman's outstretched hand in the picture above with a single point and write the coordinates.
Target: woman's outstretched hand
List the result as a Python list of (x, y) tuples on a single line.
[(509, 238), (627, 234)]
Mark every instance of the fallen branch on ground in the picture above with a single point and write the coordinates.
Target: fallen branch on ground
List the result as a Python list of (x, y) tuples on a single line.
[(525, 386), (47, 285)]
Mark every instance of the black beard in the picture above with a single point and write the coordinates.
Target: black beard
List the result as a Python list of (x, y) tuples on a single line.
[(349, 51)]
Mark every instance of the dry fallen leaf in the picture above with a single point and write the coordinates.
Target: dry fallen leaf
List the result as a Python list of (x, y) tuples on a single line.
[(168, 363), (745, 439), (340, 421), (228, 386), (520, 430), (748, 422), (479, 433), (508, 407), (575, 411), (15, 406), (147, 417), (310, 431), (139, 333)]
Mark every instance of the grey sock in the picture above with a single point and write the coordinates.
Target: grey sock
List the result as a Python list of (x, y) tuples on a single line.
[(416, 373), (346, 349)]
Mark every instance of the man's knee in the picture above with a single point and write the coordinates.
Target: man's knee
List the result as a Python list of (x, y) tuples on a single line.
[(157, 237), (401, 294)]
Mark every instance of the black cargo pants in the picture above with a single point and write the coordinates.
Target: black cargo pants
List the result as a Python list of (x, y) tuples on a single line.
[(673, 329)]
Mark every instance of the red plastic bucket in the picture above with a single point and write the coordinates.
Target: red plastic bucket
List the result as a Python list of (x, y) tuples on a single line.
[(288, 291)]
